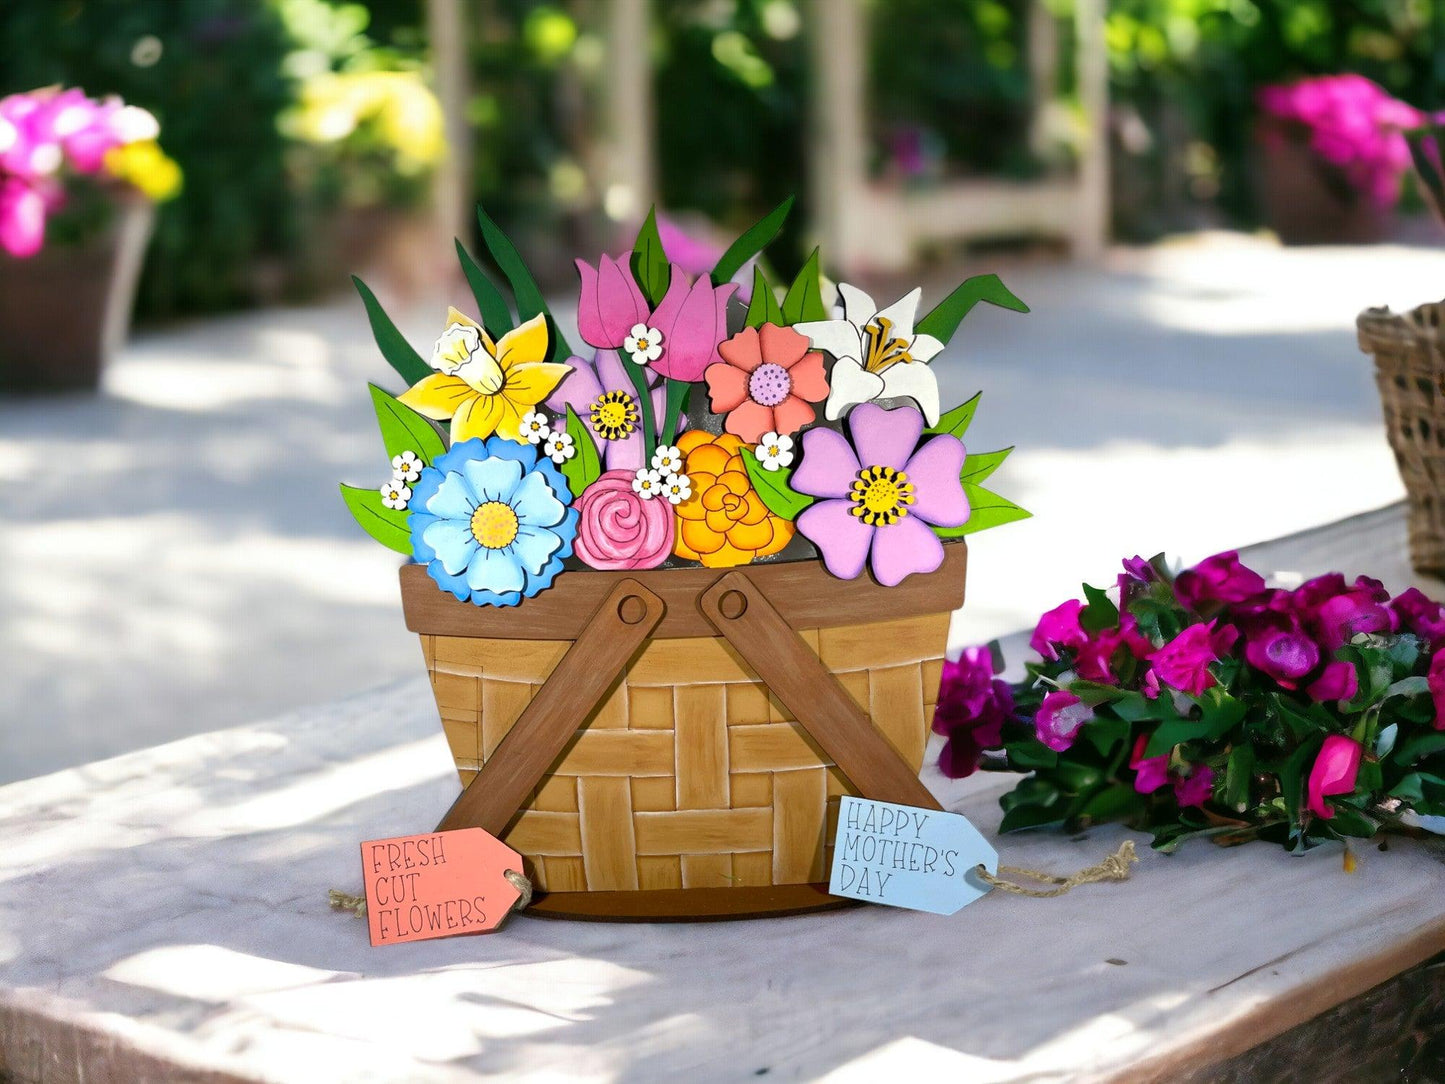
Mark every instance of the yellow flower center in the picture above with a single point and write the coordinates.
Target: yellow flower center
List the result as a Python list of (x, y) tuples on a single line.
[(494, 525), (614, 416), (881, 495), (882, 348)]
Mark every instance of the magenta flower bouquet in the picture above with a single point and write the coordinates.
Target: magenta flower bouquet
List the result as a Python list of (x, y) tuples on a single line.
[(1213, 705)]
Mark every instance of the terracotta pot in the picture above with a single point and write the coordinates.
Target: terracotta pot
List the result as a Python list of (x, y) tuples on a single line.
[(65, 310), (1306, 200), (700, 775)]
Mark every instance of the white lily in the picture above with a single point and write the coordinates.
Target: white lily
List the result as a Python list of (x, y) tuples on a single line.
[(878, 354)]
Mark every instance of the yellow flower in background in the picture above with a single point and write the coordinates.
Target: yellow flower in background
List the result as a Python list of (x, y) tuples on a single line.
[(145, 166), (395, 108), (485, 387)]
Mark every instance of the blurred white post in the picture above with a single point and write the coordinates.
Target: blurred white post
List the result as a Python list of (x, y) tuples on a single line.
[(1091, 61), (630, 182), (451, 188)]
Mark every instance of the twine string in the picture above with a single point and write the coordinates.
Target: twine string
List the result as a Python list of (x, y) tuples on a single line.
[(1113, 868), (345, 901)]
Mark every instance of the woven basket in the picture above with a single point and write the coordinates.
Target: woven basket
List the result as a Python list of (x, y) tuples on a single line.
[(1410, 373), (691, 791)]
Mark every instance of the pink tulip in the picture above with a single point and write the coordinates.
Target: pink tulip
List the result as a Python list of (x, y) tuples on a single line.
[(693, 321), (611, 302), (1334, 772)]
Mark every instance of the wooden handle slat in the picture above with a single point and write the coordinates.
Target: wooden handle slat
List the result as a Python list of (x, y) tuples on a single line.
[(570, 694), (808, 689)]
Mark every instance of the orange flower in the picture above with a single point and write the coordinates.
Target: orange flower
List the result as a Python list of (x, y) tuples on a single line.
[(724, 523)]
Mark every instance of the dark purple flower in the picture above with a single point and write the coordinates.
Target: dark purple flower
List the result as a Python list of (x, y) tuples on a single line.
[(1195, 788), (1420, 614), (1220, 578), (1436, 679), (972, 708), (1343, 617), (1339, 681), (1286, 655)]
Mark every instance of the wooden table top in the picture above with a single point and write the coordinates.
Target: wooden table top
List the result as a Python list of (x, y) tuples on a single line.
[(163, 915)]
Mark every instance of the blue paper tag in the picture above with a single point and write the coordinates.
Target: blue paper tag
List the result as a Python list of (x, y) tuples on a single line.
[(922, 859)]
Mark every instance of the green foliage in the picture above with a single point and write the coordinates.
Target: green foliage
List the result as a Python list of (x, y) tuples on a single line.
[(387, 525), (649, 262), (585, 467), (772, 486), (956, 421), (496, 318), (751, 242), (763, 308), (804, 300), (986, 509), (525, 294), (404, 430), (399, 353), (943, 320)]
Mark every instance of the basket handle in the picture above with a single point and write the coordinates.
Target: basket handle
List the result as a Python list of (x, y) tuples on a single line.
[(808, 689), (571, 693)]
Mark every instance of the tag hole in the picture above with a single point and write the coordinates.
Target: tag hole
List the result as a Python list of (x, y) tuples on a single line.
[(733, 605), (632, 610)]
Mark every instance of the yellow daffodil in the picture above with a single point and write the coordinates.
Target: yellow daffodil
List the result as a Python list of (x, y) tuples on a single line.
[(485, 387)]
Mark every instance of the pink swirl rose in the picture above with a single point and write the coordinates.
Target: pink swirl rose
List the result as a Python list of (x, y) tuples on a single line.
[(620, 530)]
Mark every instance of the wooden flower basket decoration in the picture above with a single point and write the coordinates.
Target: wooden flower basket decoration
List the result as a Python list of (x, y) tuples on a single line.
[(662, 654)]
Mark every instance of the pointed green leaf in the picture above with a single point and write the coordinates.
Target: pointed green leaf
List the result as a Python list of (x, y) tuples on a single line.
[(524, 288), (1239, 776), (1100, 613), (956, 422), (943, 321), (986, 509), (393, 346), (804, 300), (649, 262), (496, 317), (756, 238), (585, 467), (763, 308), (772, 486), (403, 429), (979, 465), (387, 525)]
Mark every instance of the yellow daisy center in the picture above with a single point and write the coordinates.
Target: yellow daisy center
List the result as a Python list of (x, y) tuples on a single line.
[(882, 348), (614, 415), (494, 525), (881, 496)]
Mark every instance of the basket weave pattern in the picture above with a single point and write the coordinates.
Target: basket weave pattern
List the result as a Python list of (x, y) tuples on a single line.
[(691, 774), (1409, 370)]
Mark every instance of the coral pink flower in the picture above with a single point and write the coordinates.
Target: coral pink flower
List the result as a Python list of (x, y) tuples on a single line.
[(766, 380), (611, 302), (1059, 719), (1334, 772), (617, 529)]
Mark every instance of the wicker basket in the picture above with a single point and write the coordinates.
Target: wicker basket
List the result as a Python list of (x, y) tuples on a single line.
[(692, 791), (1410, 373)]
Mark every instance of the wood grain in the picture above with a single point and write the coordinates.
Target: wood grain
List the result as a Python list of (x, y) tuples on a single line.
[(810, 691), (578, 684), (804, 593)]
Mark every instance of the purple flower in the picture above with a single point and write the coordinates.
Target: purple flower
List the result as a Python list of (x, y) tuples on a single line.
[(1436, 680), (1220, 578), (1338, 681), (1185, 660), (22, 218), (1150, 773), (1059, 628), (1095, 658), (1421, 615), (1334, 772), (1059, 719), (1195, 788), (602, 395), (1286, 655), (881, 494), (972, 708), (693, 321), (1139, 570), (1341, 618), (611, 302)]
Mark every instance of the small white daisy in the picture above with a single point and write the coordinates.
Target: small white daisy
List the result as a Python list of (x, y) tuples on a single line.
[(643, 344), (406, 467), (774, 451), (395, 495), (677, 488), (535, 427), (559, 447), (667, 460), (648, 483)]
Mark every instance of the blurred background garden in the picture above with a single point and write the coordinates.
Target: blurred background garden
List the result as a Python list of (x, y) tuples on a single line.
[(173, 556)]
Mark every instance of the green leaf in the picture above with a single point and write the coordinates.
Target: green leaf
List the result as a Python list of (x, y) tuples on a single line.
[(1029, 816), (496, 317), (1100, 613), (1220, 712), (1104, 732), (986, 509), (585, 467), (1351, 822), (1031, 755), (763, 308), (943, 321), (1239, 776), (404, 430), (979, 465), (753, 240), (387, 525), (772, 486), (1172, 732), (1419, 747), (649, 262), (393, 346), (804, 300), (529, 298), (956, 422), (1417, 685), (1112, 803)]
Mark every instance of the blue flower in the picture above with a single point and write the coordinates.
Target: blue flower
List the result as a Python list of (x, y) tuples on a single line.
[(492, 522)]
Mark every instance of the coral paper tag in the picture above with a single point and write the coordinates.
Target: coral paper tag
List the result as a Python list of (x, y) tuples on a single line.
[(921, 859), (437, 885)]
